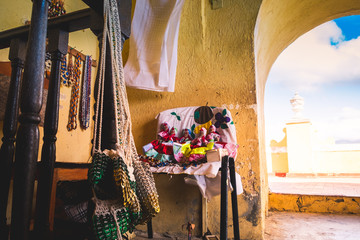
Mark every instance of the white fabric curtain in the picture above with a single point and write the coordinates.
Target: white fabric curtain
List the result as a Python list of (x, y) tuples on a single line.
[(153, 45)]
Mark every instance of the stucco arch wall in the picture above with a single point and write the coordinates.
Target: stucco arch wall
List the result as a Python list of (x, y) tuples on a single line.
[(278, 24)]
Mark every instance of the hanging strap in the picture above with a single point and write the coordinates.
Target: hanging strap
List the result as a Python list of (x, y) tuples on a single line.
[(125, 141), (126, 146), (100, 92)]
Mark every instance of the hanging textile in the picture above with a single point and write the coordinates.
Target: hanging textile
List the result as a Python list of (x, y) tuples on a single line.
[(72, 124), (85, 94), (124, 188), (153, 45)]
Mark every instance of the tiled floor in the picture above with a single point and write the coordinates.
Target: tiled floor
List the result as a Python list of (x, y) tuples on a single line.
[(334, 186)]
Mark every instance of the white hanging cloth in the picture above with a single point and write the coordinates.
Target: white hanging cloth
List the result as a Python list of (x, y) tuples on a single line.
[(153, 45)]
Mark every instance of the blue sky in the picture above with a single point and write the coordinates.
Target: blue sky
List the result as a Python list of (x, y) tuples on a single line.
[(323, 66)]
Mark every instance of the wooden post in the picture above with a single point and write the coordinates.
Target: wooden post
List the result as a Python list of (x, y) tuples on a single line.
[(150, 229), (27, 142), (57, 46), (234, 203), (224, 198), (17, 57)]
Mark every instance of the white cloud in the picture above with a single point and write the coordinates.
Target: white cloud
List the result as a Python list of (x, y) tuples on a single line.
[(312, 61), (343, 126)]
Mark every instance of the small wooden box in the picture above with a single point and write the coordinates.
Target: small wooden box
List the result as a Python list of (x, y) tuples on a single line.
[(215, 155)]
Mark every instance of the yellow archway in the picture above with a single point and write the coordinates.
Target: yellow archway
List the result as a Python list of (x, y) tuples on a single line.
[(278, 24)]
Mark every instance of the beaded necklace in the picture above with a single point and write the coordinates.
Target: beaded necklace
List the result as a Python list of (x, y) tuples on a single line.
[(64, 76), (70, 70), (56, 8), (74, 94), (85, 94)]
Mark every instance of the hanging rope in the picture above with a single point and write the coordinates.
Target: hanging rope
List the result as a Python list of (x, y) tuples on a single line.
[(100, 93)]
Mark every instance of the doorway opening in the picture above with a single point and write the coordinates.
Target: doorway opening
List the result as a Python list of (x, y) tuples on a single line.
[(315, 148)]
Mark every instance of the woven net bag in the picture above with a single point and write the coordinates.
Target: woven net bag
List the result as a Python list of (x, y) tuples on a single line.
[(146, 191), (124, 188)]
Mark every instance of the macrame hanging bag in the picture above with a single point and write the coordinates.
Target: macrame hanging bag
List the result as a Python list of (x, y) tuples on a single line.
[(124, 189)]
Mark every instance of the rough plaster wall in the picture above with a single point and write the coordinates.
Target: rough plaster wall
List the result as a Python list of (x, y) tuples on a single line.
[(281, 22), (179, 204), (215, 67)]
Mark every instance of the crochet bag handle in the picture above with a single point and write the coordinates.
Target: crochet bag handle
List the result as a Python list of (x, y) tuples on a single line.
[(126, 145), (138, 171), (100, 92), (126, 149), (125, 141)]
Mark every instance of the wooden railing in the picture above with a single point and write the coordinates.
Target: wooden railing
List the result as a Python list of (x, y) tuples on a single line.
[(30, 59)]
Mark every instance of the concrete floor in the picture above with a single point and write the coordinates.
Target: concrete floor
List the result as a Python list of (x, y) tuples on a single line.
[(311, 226), (296, 226), (141, 235), (324, 186), (304, 226)]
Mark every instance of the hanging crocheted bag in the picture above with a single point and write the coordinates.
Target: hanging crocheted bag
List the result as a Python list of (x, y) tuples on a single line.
[(124, 190)]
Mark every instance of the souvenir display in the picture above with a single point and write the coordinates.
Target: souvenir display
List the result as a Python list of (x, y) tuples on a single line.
[(204, 129), (172, 137), (56, 8), (72, 124), (124, 189), (85, 94), (64, 76), (164, 131), (212, 134), (70, 70), (186, 136), (200, 141)]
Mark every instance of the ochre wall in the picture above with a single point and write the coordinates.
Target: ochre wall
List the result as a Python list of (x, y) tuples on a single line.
[(281, 22), (303, 151), (215, 67), (279, 155), (337, 161), (314, 204)]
